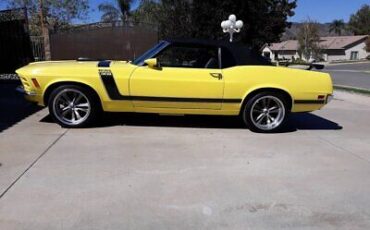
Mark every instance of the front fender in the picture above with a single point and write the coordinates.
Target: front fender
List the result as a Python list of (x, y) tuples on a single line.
[(57, 82)]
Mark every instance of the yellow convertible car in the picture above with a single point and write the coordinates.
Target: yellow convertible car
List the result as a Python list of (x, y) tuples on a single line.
[(177, 77)]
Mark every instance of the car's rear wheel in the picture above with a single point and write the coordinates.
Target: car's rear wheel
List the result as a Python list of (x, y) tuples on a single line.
[(266, 112), (73, 106)]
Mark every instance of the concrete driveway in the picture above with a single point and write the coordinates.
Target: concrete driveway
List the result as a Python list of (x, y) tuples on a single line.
[(150, 172), (352, 75)]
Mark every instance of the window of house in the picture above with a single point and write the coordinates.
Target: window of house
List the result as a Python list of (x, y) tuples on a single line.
[(354, 55), (189, 57)]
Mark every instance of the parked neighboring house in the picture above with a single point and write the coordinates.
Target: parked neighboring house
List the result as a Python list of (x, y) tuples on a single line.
[(333, 49)]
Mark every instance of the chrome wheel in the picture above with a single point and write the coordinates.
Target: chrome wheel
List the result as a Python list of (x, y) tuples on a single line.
[(71, 107), (267, 113)]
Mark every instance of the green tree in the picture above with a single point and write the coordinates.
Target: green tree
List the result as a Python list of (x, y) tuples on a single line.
[(114, 13), (309, 40), (359, 23), (175, 18), (337, 26), (110, 12), (57, 13), (147, 12), (124, 6), (264, 20), (50, 14)]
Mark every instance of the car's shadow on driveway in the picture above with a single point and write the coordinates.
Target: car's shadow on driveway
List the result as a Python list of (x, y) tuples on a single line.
[(299, 121), (13, 106), (309, 121)]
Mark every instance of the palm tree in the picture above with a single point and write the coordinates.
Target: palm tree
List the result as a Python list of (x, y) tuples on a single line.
[(148, 12), (112, 13), (124, 6), (337, 26)]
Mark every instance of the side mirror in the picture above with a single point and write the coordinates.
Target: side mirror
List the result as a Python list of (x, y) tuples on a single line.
[(152, 63)]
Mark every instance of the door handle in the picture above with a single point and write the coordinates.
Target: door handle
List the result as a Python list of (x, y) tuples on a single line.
[(217, 75)]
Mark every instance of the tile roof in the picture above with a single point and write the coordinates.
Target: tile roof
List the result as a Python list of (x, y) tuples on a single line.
[(340, 42), (331, 43), (285, 45)]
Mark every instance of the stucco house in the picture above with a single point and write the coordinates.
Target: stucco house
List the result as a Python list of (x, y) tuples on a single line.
[(333, 49)]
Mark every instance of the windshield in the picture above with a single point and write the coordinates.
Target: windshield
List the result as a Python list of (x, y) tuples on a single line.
[(150, 53)]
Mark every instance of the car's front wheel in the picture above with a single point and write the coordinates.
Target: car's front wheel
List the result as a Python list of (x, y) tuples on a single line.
[(73, 106), (266, 112)]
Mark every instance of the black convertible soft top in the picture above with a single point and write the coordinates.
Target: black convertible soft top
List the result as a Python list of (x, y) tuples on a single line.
[(242, 54)]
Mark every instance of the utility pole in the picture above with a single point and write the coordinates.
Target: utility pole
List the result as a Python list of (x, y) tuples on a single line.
[(45, 31)]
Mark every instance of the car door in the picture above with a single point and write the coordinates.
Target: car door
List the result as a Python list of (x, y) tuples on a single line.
[(187, 77)]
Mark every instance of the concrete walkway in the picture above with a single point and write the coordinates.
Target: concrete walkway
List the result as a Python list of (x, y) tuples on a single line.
[(150, 172)]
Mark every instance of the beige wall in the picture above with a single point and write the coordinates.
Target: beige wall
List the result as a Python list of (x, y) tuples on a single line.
[(360, 48), (344, 55), (334, 55)]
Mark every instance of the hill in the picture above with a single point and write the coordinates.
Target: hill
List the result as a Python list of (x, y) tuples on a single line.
[(291, 33)]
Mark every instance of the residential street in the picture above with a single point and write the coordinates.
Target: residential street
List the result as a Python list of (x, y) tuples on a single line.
[(151, 172), (354, 75)]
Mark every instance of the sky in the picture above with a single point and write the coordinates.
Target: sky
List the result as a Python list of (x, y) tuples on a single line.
[(94, 12), (319, 10), (326, 10)]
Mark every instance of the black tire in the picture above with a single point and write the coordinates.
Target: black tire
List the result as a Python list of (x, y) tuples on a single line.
[(268, 123), (86, 107)]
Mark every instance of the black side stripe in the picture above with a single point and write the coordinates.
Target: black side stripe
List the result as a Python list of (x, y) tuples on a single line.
[(110, 85), (114, 94), (309, 102), (176, 99)]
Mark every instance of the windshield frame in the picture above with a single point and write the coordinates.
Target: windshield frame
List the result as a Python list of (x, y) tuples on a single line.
[(151, 53)]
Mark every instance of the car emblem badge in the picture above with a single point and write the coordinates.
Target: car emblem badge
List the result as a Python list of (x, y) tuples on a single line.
[(105, 73)]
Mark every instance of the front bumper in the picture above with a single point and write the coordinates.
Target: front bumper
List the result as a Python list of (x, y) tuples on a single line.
[(31, 96), (21, 90)]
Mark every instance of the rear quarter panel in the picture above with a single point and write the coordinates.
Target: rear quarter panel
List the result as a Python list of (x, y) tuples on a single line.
[(300, 84)]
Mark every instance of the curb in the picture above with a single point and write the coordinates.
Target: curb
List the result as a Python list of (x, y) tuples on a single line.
[(352, 89), (345, 63)]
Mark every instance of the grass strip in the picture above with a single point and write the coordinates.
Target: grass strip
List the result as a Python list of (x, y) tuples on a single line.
[(352, 89)]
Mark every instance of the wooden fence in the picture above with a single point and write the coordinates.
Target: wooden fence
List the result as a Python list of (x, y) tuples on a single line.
[(111, 41)]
